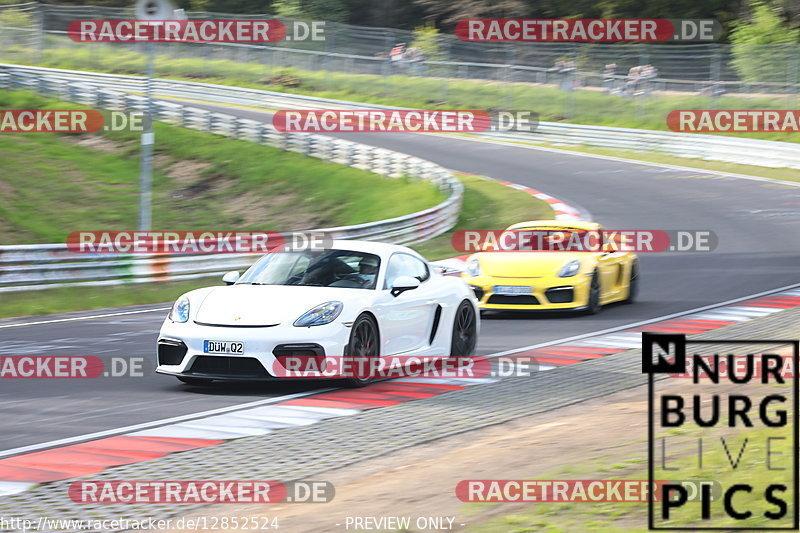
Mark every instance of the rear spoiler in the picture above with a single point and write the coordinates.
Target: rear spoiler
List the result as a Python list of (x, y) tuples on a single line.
[(449, 267)]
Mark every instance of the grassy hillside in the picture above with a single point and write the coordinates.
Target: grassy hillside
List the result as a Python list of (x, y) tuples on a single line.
[(52, 184)]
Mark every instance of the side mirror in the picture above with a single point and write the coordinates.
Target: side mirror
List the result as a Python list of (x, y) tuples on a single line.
[(403, 284), (231, 277)]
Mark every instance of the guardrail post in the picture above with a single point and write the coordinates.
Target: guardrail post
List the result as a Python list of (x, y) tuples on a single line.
[(182, 116), (350, 154), (260, 129), (236, 131), (329, 150), (100, 100), (41, 85)]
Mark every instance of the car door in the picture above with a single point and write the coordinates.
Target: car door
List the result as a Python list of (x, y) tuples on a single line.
[(406, 319), (612, 279)]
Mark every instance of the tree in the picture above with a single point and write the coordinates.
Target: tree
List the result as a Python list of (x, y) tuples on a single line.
[(288, 8), (404, 14), (330, 10), (756, 54), (426, 38), (14, 18), (452, 11)]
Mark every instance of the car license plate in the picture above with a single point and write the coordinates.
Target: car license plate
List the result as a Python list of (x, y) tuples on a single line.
[(512, 290), (226, 347)]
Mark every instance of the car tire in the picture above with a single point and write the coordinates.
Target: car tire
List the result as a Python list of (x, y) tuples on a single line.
[(593, 301), (464, 338), (633, 284), (200, 382), (364, 342)]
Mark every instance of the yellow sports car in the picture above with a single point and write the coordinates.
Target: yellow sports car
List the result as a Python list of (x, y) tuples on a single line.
[(552, 280)]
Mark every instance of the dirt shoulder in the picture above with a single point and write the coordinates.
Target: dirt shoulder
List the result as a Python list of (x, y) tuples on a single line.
[(605, 438), (419, 482)]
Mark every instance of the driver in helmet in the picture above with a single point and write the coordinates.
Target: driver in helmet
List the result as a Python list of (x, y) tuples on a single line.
[(368, 271)]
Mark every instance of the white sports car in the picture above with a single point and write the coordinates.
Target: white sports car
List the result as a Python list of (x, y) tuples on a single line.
[(352, 299)]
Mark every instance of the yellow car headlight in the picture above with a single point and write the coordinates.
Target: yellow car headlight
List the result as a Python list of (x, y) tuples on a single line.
[(473, 268), (570, 269)]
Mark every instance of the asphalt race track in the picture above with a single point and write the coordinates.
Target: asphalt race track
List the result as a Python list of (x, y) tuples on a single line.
[(757, 223)]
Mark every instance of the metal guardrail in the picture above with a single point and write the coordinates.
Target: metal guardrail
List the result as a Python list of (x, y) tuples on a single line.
[(746, 151), (109, 90), (694, 146), (33, 267)]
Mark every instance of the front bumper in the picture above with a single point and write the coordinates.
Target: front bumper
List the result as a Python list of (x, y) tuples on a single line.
[(548, 293), (180, 349)]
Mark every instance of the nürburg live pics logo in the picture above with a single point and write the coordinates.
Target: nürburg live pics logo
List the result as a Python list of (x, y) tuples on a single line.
[(731, 423)]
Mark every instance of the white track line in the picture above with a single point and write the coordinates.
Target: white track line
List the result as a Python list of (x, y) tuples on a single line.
[(89, 317), (648, 321), (156, 423), (233, 408)]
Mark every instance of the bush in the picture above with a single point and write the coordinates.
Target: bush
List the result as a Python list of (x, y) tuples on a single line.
[(755, 62)]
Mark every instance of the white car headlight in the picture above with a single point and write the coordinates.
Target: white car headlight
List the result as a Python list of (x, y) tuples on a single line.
[(180, 310), (320, 315), (570, 269), (473, 268)]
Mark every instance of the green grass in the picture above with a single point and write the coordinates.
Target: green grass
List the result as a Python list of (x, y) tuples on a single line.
[(63, 299), (255, 71), (487, 205), (610, 517), (52, 185)]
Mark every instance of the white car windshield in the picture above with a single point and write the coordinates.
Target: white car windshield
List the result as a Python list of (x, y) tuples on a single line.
[(325, 268)]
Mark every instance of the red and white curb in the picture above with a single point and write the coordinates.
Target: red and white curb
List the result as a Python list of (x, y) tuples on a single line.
[(21, 472), (570, 353), (561, 209)]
